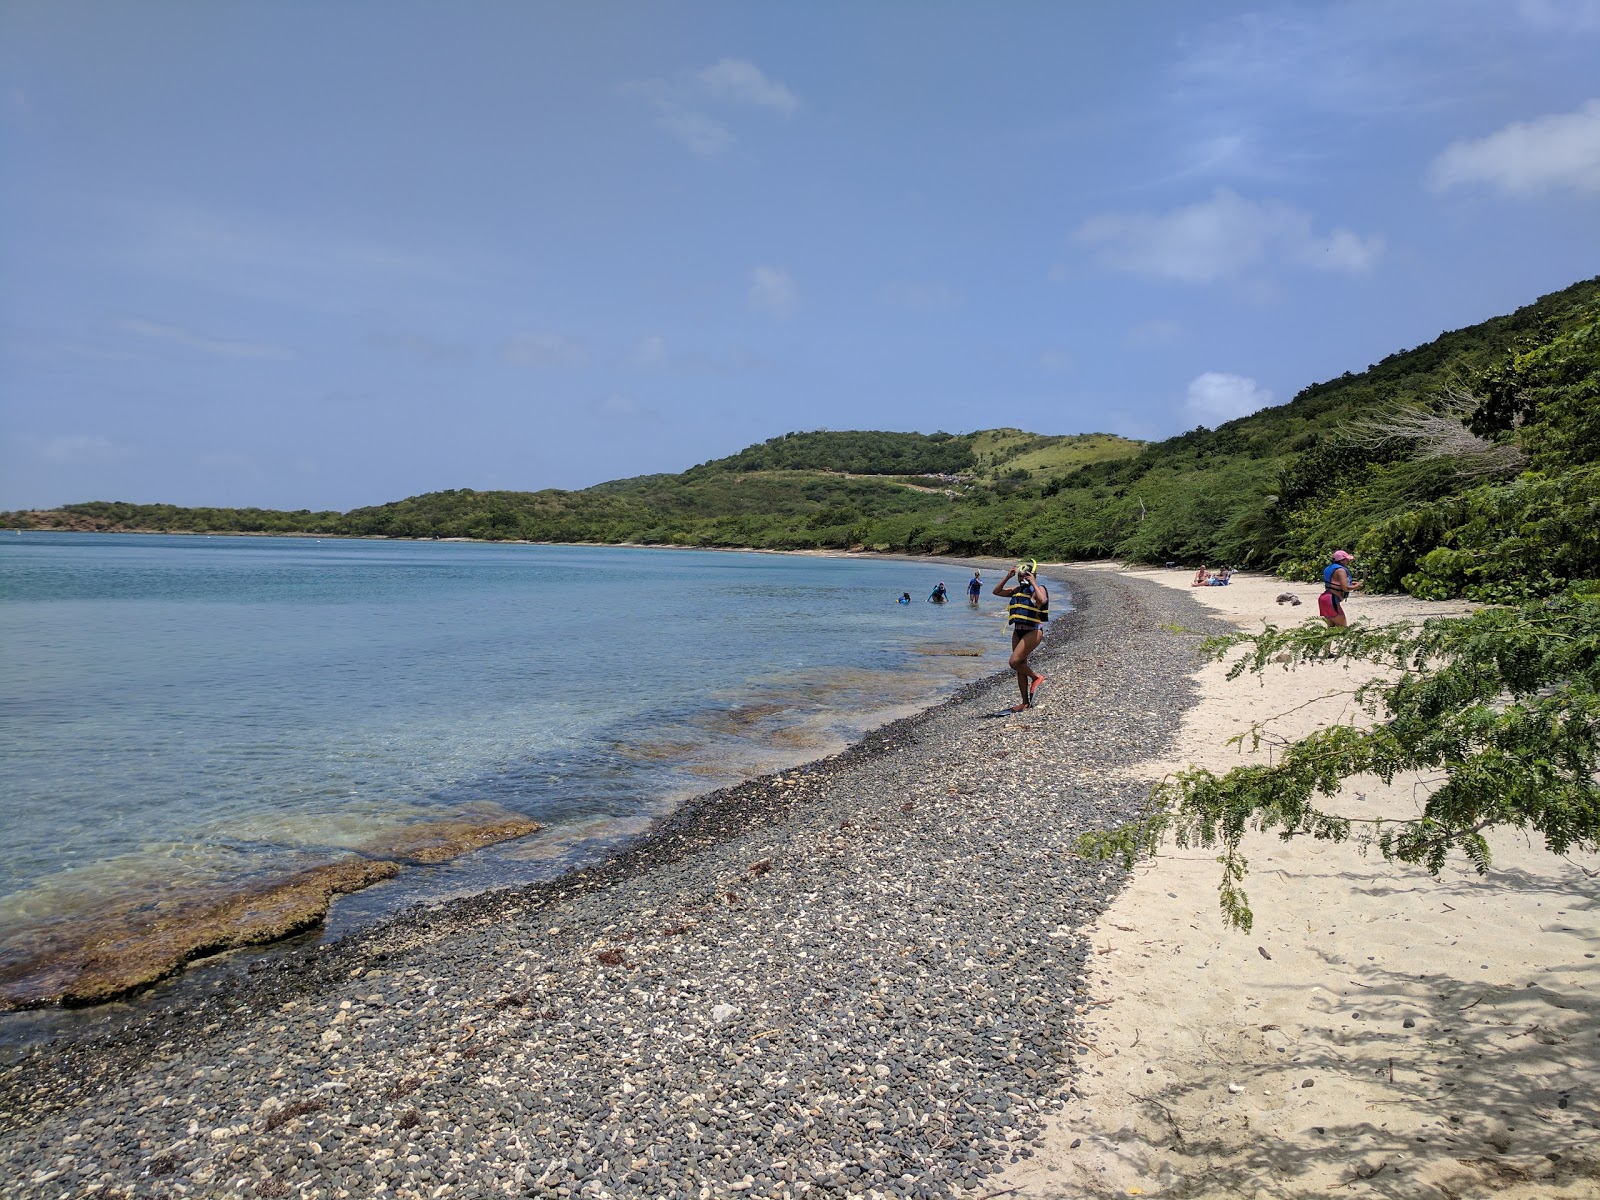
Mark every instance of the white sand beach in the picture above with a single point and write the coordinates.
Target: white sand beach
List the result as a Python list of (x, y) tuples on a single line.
[(1378, 1033)]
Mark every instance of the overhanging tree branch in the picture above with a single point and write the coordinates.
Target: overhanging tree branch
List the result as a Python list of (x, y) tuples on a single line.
[(1504, 705)]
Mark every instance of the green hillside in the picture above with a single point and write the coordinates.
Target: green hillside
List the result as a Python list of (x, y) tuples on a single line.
[(1430, 462), (989, 454)]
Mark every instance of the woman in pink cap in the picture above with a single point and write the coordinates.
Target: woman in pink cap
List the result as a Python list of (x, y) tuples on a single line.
[(1337, 586)]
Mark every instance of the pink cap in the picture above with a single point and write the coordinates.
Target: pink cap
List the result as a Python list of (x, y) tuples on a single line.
[(1341, 556)]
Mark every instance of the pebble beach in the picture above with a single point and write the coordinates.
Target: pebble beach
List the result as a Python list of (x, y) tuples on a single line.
[(851, 978)]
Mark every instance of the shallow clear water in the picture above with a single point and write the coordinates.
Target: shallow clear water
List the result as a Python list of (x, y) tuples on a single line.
[(207, 711)]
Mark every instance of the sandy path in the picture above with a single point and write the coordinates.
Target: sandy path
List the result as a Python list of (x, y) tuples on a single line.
[(1379, 1033)]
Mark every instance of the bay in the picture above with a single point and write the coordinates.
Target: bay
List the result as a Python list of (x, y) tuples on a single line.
[(193, 716)]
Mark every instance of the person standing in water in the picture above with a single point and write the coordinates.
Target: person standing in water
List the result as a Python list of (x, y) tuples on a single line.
[(974, 586), (1027, 612)]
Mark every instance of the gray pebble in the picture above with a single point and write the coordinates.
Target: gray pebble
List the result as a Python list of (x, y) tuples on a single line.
[(883, 1007)]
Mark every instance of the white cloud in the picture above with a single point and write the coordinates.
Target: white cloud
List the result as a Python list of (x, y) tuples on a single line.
[(1526, 158), (1234, 153), (743, 82), (1298, 91), (1222, 237), (773, 291), (193, 341), (704, 135), (1338, 59), (1216, 397), (544, 349), (680, 103), (1340, 250), (75, 449)]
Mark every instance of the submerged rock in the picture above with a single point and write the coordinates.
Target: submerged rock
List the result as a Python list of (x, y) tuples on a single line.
[(133, 941), (130, 944), (440, 841)]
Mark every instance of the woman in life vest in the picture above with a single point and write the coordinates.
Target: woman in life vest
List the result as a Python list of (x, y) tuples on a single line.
[(1027, 612), (1336, 588)]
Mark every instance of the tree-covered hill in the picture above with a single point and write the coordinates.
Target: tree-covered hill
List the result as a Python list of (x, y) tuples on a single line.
[(1430, 463), (858, 452), (1476, 473), (834, 489), (985, 454)]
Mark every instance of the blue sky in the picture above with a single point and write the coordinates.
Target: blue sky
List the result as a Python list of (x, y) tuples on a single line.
[(325, 255)]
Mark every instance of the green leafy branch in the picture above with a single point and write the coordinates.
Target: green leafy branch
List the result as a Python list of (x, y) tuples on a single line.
[(1501, 708)]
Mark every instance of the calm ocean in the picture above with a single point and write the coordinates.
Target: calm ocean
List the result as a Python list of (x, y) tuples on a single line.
[(205, 713)]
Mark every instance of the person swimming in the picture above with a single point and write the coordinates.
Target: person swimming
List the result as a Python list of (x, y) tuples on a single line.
[(905, 598)]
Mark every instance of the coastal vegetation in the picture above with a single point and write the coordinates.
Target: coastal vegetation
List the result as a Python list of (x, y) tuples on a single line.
[(1497, 712), (1348, 462)]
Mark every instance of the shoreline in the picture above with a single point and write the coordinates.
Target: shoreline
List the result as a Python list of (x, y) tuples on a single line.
[(87, 964), (838, 921), (886, 973), (981, 561), (183, 953)]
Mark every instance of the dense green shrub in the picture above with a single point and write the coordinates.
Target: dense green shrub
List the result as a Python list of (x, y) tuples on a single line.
[(1498, 542)]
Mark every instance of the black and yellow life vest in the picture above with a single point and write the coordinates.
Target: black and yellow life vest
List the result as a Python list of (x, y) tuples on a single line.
[(1023, 613)]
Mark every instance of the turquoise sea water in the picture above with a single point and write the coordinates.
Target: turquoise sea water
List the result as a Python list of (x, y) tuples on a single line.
[(207, 712)]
